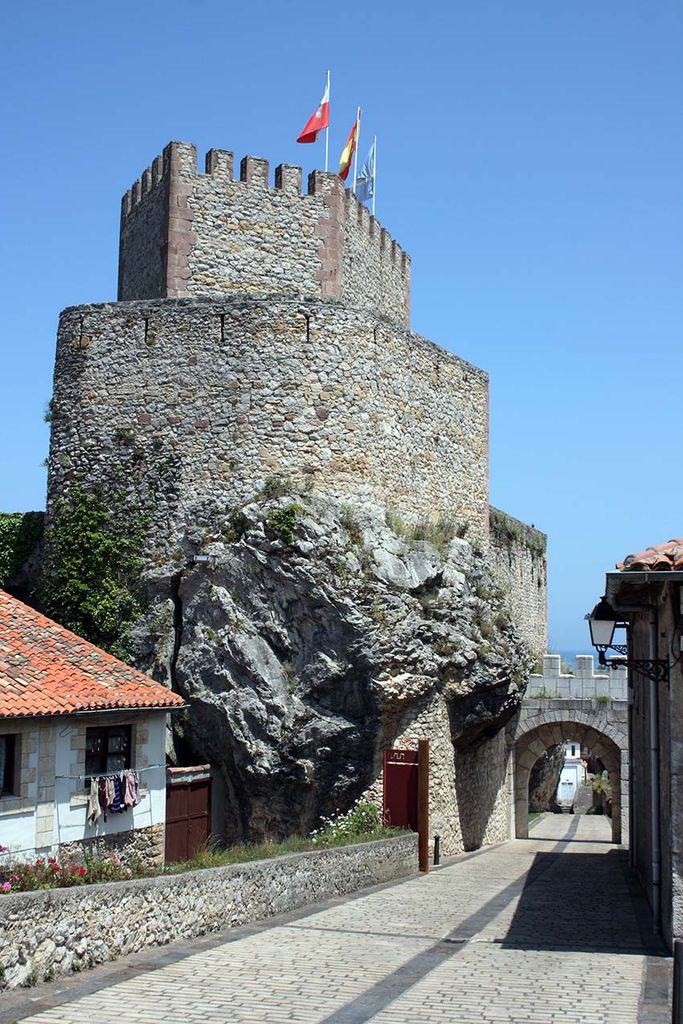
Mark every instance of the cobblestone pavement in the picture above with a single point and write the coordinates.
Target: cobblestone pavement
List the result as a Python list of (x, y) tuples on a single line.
[(543, 930)]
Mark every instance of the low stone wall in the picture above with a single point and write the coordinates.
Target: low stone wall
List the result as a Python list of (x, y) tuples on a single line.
[(56, 931)]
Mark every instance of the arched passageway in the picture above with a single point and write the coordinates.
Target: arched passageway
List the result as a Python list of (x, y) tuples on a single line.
[(536, 734)]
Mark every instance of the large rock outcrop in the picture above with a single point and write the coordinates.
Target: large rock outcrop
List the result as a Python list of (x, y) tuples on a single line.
[(308, 635), (545, 778)]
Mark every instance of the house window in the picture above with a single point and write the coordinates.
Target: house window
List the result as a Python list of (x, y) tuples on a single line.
[(107, 749), (9, 769)]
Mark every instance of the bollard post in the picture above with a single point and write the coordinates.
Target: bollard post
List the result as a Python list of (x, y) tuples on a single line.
[(437, 849), (677, 1001)]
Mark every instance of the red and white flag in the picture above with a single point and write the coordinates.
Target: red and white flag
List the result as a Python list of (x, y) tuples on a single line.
[(319, 120)]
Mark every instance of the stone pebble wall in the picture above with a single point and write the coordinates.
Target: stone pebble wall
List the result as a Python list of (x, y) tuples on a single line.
[(211, 234), (517, 555), (206, 400), (142, 263), (469, 804), (60, 930), (373, 265), (137, 844)]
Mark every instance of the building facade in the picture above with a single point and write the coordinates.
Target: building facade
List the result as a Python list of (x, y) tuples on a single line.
[(71, 715), (646, 594)]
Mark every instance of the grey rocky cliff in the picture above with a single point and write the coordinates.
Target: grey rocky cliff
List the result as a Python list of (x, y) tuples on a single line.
[(307, 636)]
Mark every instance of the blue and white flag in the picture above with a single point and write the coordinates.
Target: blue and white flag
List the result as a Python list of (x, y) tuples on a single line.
[(365, 182)]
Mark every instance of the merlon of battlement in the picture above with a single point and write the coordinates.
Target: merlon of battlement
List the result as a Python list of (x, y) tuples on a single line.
[(179, 160)]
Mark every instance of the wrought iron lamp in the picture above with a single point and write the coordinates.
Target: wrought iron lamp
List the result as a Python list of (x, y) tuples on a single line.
[(602, 622)]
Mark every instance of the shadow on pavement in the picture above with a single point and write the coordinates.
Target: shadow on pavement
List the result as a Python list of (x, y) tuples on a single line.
[(580, 902)]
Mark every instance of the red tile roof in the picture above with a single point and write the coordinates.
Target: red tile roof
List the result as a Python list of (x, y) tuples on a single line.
[(662, 558), (46, 670)]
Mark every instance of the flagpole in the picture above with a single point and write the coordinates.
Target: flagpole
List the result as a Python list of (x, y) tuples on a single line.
[(327, 130), (355, 155), (374, 173)]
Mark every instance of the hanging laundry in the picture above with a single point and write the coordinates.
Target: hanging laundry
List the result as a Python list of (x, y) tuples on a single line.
[(109, 790), (117, 804), (102, 796), (94, 811), (131, 795)]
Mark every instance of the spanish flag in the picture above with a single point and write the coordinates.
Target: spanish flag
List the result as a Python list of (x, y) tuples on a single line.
[(349, 149)]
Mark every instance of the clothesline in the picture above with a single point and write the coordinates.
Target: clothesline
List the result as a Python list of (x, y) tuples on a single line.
[(111, 775), (112, 794)]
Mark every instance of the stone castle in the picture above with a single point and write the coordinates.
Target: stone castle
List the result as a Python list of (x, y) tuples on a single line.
[(260, 334)]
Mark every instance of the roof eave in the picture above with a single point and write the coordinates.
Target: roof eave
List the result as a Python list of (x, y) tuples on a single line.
[(147, 709), (616, 580)]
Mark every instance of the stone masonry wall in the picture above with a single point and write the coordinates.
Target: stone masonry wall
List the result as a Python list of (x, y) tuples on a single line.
[(197, 402), (468, 799), (184, 233), (584, 684), (517, 554), (144, 845), (61, 930)]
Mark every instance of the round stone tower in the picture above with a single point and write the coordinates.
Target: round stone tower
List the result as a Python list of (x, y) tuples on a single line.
[(259, 333)]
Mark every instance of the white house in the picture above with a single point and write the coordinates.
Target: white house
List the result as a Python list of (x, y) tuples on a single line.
[(69, 714)]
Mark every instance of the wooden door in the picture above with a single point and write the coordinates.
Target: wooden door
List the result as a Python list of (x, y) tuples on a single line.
[(400, 788), (188, 818)]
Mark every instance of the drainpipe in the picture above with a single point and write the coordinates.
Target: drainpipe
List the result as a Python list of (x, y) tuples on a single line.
[(653, 715)]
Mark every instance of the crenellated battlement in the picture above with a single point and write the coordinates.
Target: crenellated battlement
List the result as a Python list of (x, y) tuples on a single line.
[(186, 232)]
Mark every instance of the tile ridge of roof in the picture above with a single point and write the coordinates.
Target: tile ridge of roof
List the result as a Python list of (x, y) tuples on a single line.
[(43, 620)]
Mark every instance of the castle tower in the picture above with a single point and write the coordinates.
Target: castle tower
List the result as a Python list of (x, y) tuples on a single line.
[(262, 332), (190, 234)]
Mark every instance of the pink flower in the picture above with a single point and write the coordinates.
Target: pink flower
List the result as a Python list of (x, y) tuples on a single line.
[(6, 886), (4, 849)]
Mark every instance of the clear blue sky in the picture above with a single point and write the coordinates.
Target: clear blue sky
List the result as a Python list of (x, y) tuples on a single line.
[(530, 159)]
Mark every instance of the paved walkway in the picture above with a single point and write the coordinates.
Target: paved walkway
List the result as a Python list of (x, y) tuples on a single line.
[(542, 930)]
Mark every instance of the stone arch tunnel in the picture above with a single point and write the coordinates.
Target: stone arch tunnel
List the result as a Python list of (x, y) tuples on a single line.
[(543, 723)]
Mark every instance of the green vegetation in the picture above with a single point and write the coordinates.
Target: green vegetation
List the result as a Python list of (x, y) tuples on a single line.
[(602, 786), (237, 525), (278, 487), (520, 533), (283, 520), (602, 699), (94, 562), (362, 824), (19, 534), (348, 517), (437, 532), (124, 435)]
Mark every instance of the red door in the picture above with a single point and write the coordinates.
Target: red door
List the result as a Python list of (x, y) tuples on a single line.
[(400, 789), (188, 818)]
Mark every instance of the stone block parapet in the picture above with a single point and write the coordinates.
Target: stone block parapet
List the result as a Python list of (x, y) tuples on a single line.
[(186, 233), (57, 931), (584, 684), (202, 401)]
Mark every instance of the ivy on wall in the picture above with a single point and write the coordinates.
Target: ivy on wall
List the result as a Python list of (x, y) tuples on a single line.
[(20, 532), (94, 562)]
